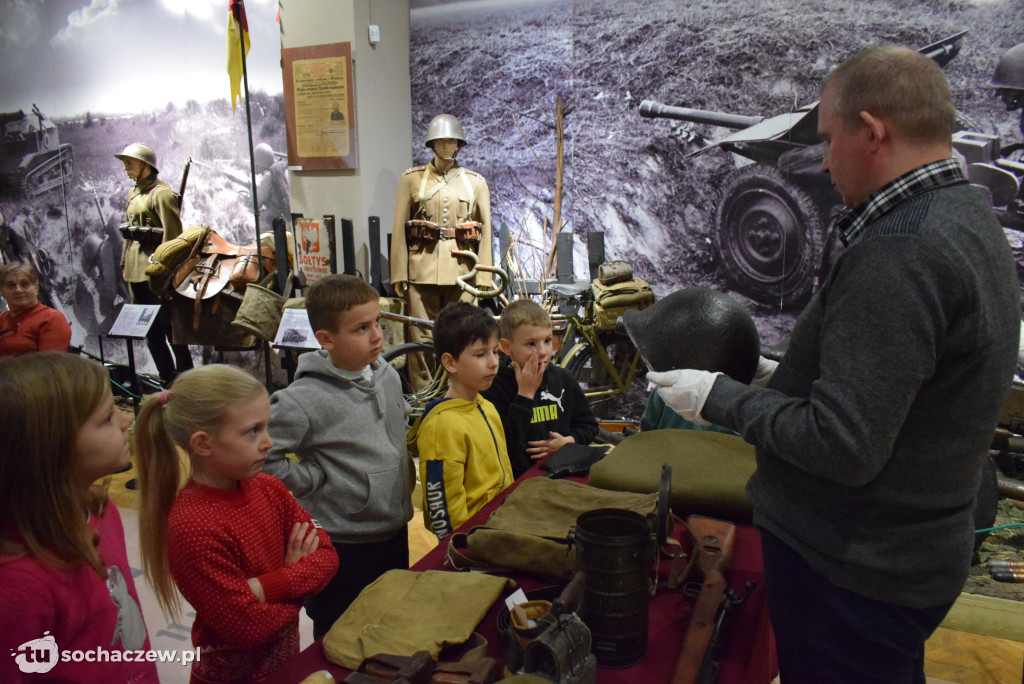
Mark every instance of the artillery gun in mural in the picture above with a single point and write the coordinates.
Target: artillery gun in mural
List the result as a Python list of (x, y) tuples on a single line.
[(772, 216), (1000, 170), (773, 220), (32, 158)]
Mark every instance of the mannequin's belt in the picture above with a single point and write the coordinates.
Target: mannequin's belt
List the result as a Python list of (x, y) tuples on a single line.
[(421, 229)]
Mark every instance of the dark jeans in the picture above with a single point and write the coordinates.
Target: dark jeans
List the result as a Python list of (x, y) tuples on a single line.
[(170, 359), (358, 566), (829, 635)]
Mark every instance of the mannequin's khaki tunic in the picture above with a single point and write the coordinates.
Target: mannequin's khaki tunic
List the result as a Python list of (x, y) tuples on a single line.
[(452, 198), (152, 203)]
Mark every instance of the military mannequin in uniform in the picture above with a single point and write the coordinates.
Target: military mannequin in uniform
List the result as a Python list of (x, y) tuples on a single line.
[(153, 216), (440, 206)]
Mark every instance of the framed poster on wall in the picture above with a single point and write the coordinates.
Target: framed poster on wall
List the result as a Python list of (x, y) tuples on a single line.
[(319, 108)]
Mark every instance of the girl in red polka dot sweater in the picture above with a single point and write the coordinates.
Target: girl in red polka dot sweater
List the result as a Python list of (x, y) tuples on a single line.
[(238, 546)]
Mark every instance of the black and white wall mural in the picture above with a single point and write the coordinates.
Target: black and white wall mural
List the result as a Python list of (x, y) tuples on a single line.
[(80, 80), (728, 199), (707, 200)]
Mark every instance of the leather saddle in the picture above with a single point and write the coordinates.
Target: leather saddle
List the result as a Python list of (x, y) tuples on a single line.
[(218, 267)]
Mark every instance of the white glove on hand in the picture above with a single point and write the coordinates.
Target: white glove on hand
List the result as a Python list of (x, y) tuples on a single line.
[(684, 391), (765, 370)]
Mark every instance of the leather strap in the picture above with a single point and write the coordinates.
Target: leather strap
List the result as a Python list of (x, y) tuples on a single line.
[(423, 195), (454, 556)]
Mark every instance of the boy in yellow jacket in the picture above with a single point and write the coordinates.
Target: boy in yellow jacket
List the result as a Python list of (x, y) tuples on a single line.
[(459, 439)]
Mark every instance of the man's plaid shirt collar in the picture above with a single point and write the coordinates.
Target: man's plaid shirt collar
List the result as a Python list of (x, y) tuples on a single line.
[(922, 179)]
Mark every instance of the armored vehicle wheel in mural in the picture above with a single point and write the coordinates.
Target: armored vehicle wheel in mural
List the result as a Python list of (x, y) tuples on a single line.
[(768, 235)]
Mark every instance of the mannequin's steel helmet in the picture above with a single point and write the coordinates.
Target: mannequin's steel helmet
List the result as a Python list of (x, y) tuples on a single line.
[(1009, 71), (143, 153), (444, 126), (696, 327), (263, 156)]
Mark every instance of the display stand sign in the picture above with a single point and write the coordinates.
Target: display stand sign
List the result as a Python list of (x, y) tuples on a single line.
[(315, 237), (318, 107), (295, 331), (133, 323)]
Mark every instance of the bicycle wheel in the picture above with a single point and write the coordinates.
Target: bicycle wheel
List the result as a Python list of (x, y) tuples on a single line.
[(618, 395), (398, 357)]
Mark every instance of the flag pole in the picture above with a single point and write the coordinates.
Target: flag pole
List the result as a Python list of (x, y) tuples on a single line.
[(248, 126), (252, 174)]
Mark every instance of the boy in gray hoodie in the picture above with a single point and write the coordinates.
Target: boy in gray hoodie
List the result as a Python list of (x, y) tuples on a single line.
[(343, 417)]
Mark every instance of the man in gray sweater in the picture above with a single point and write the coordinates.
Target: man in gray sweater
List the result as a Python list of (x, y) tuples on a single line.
[(872, 431)]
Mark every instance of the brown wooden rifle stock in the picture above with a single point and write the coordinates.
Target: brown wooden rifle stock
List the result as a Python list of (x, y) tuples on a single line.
[(713, 546)]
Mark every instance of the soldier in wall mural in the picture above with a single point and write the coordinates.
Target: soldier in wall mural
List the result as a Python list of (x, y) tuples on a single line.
[(1008, 80)]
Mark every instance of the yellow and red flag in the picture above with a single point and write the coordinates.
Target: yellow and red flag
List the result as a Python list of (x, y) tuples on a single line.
[(238, 30)]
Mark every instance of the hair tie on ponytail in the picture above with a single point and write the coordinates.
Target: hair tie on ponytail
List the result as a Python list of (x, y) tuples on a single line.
[(163, 397)]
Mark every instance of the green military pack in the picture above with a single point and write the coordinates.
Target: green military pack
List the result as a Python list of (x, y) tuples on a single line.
[(709, 470), (531, 528), (611, 300), (169, 254)]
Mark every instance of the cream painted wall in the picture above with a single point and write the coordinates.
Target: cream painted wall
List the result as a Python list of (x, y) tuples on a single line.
[(383, 112)]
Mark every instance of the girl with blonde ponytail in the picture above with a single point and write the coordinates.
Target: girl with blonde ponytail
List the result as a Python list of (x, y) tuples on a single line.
[(233, 541)]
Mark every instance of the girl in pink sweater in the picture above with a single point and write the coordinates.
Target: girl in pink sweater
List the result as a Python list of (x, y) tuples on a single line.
[(68, 607), (238, 546)]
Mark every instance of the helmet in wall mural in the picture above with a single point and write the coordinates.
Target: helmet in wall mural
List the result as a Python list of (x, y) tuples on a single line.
[(444, 126), (143, 153), (1009, 71), (263, 156)]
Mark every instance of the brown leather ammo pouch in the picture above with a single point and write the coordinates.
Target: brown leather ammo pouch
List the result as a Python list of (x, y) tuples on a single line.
[(420, 668), (482, 671), (422, 230), (469, 231), (414, 669)]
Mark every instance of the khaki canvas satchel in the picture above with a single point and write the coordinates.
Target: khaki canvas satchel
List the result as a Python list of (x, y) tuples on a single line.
[(531, 529), (403, 612)]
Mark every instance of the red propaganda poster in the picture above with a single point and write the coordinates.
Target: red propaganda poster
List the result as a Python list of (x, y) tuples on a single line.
[(315, 237)]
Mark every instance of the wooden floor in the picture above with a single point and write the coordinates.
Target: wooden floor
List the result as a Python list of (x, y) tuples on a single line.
[(966, 658)]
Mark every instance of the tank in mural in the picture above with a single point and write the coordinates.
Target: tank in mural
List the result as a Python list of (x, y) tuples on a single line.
[(32, 158)]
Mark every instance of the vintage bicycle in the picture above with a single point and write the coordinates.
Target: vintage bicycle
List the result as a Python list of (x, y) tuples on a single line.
[(604, 362)]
